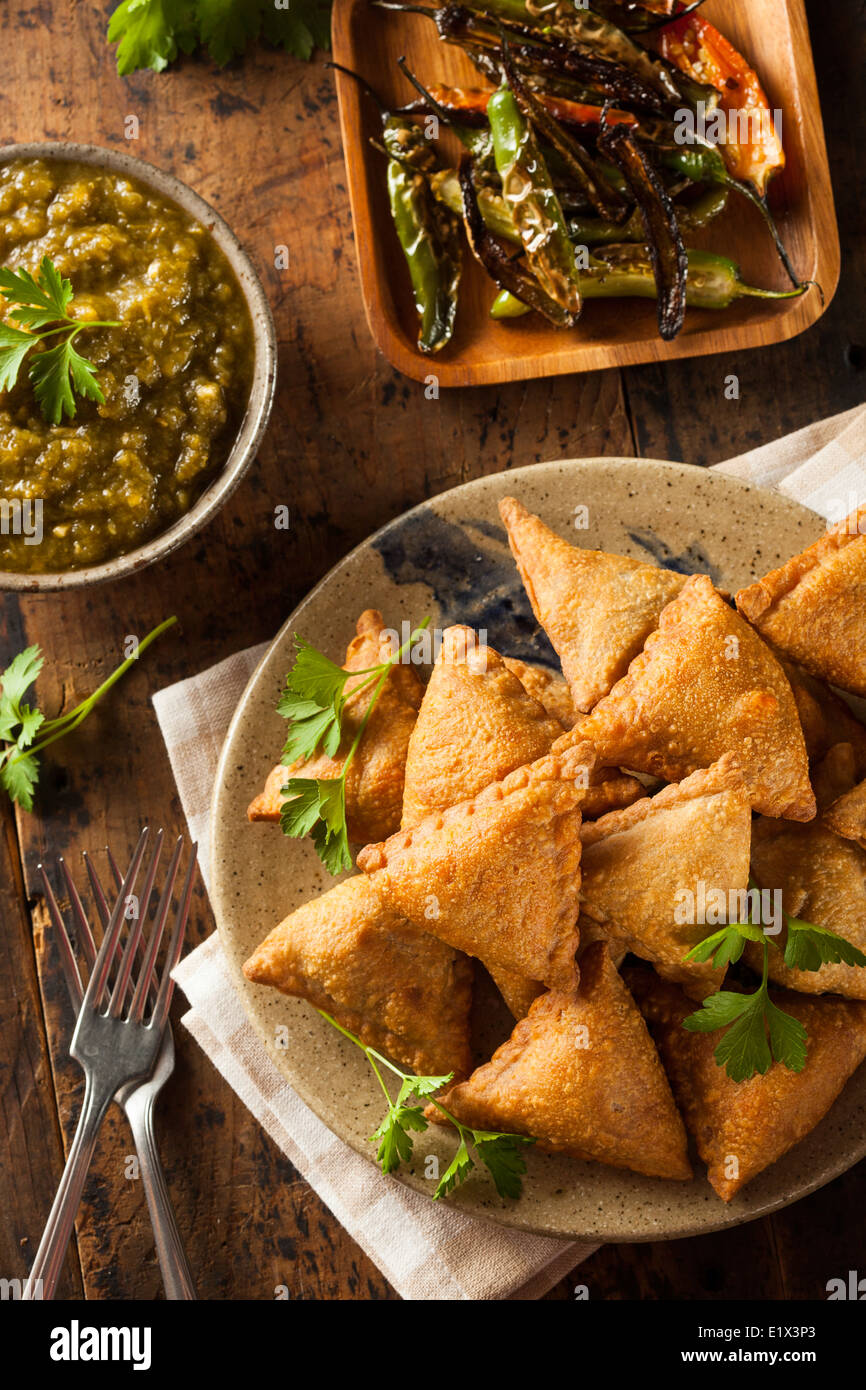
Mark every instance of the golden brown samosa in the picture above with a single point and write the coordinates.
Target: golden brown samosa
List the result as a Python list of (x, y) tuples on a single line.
[(498, 876), (545, 686), (847, 815), (650, 873), (706, 685), (743, 1127), (350, 953), (597, 609), (374, 782), (814, 607), (822, 878), (581, 1075)]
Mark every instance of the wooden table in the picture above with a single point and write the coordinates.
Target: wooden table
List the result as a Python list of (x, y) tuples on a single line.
[(350, 445)]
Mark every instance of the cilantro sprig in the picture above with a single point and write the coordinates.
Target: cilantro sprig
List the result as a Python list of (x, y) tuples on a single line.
[(758, 1031), (39, 305), (313, 701), (152, 33), (19, 723), (501, 1154)]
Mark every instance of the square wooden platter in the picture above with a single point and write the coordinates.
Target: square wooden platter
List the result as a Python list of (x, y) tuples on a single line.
[(773, 34)]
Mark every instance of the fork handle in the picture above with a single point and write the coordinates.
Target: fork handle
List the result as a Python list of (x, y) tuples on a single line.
[(176, 1274), (43, 1277)]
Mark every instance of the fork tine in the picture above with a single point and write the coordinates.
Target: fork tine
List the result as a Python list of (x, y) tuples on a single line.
[(88, 945), (148, 967), (175, 946), (107, 950), (118, 876), (71, 972), (98, 893), (118, 994)]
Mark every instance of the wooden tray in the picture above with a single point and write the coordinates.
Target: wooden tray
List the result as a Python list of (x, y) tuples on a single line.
[(772, 33)]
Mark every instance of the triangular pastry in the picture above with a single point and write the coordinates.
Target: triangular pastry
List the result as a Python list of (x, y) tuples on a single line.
[(814, 607), (847, 815), (822, 878), (660, 874), (824, 716), (498, 876), (475, 725), (518, 992), (834, 774), (545, 686), (705, 685), (581, 1075), (374, 782), (350, 953), (743, 1127), (597, 609)]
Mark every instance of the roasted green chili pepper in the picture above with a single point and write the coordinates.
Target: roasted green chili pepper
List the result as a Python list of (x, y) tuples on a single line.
[(505, 272), (668, 253), (582, 168), (530, 197), (691, 217), (428, 232), (704, 164), (595, 34), (626, 272)]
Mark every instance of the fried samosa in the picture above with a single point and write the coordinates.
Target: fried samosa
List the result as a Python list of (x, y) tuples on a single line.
[(581, 1075), (498, 876), (549, 689), (374, 782), (401, 990), (824, 717), (705, 685), (822, 878), (743, 1127), (597, 609), (814, 607), (475, 725), (847, 815), (650, 872)]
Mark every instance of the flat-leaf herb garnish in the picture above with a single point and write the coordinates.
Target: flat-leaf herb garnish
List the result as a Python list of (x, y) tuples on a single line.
[(19, 723), (313, 701), (501, 1154), (758, 1031), (58, 371)]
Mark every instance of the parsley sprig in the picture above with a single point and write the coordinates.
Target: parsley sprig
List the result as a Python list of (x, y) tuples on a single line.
[(19, 723), (501, 1154), (152, 33), (758, 1031), (313, 700), (40, 306)]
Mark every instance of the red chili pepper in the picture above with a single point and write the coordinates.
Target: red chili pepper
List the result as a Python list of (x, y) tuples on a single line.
[(475, 99), (751, 148)]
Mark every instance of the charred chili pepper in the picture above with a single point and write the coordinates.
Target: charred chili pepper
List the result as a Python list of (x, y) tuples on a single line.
[(593, 34), (582, 168), (752, 149), (428, 232), (626, 272), (504, 271), (469, 105), (589, 231), (704, 164), (668, 253), (531, 199)]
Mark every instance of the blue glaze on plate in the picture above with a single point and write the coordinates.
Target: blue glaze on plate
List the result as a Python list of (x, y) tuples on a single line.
[(472, 575)]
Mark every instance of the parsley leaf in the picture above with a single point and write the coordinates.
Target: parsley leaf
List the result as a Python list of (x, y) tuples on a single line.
[(59, 370), (19, 724), (725, 946), (313, 700), (151, 33), (501, 1154), (809, 947)]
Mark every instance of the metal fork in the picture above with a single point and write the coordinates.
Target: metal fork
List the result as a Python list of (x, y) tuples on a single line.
[(138, 1098), (114, 1049)]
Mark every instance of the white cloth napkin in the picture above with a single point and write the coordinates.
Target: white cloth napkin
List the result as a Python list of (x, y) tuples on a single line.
[(425, 1251)]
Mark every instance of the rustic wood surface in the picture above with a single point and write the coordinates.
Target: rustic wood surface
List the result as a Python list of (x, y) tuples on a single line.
[(351, 444)]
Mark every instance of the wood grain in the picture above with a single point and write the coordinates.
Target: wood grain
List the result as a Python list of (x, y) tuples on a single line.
[(610, 333), (351, 444)]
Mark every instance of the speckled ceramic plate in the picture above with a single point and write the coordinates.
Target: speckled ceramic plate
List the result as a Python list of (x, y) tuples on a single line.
[(449, 558)]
